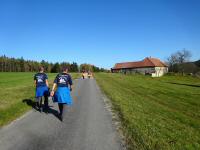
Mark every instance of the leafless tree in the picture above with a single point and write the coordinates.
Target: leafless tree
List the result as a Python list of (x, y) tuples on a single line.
[(172, 59), (175, 59), (183, 56)]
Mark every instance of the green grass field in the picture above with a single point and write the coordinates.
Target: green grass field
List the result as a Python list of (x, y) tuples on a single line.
[(156, 113), (14, 88)]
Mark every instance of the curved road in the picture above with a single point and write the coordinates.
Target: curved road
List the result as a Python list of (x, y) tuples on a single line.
[(87, 125)]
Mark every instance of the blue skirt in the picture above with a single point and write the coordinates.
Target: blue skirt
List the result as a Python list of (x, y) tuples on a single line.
[(41, 91), (62, 95)]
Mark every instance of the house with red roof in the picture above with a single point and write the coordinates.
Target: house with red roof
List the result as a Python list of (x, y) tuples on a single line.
[(152, 66)]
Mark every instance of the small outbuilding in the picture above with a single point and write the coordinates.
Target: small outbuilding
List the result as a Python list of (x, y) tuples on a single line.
[(152, 66)]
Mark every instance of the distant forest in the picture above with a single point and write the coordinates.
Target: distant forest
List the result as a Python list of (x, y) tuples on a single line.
[(8, 64)]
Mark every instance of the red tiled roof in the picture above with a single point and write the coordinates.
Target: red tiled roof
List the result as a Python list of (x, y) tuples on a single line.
[(147, 62)]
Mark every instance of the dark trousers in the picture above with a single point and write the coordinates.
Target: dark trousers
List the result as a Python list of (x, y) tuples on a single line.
[(39, 102), (61, 107), (46, 102)]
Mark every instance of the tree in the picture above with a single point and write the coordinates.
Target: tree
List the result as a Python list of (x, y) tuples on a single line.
[(176, 59), (20, 65), (74, 67), (45, 64), (56, 68), (183, 56), (86, 67), (65, 64), (197, 63), (172, 60)]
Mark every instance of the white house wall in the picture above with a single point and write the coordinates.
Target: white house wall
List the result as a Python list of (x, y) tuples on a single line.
[(159, 71)]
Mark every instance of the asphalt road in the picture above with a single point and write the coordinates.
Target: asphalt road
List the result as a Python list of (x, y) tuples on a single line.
[(87, 125)]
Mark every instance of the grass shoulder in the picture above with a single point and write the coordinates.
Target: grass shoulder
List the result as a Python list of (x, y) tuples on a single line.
[(15, 88), (156, 113)]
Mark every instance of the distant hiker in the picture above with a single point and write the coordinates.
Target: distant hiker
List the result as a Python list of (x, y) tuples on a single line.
[(63, 81), (89, 74), (83, 74), (41, 83)]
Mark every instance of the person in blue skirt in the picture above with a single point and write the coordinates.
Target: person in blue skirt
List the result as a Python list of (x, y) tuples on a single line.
[(63, 81), (41, 83)]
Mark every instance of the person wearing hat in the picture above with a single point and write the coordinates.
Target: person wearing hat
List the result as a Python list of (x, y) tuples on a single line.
[(63, 82), (41, 83)]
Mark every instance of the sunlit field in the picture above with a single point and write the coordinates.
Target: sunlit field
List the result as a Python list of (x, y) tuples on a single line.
[(14, 88), (156, 113)]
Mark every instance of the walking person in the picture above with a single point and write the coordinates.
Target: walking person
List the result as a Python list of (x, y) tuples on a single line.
[(41, 83), (83, 74), (63, 82)]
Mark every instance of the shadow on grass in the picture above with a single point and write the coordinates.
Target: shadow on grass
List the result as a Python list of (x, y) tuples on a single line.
[(29, 102), (49, 110), (191, 85)]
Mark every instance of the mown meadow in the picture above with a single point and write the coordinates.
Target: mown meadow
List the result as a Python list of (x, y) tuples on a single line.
[(14, 89), (156, 113)]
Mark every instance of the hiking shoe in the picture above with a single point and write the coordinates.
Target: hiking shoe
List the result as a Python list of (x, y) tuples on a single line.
[(60, 117)]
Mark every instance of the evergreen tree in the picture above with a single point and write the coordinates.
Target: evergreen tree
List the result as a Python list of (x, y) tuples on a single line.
[(56, 68), (20, 65)]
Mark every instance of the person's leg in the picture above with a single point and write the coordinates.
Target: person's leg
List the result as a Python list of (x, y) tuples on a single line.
[(61, 109), (40, 103), (46, 103), (37, 100), (60, 106)]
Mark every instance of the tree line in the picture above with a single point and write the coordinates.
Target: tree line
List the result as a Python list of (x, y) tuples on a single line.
[(8, 64), (179, 62)]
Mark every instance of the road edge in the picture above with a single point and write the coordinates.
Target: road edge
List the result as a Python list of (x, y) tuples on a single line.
[(115, 117)]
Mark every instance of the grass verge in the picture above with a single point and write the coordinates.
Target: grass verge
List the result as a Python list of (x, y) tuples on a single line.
[(156, 113), (14, 88)]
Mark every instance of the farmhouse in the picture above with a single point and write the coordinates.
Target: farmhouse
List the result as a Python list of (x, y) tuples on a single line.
[(152, 66)]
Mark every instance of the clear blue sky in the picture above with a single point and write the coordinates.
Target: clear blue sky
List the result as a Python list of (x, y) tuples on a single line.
[(100, 32)]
